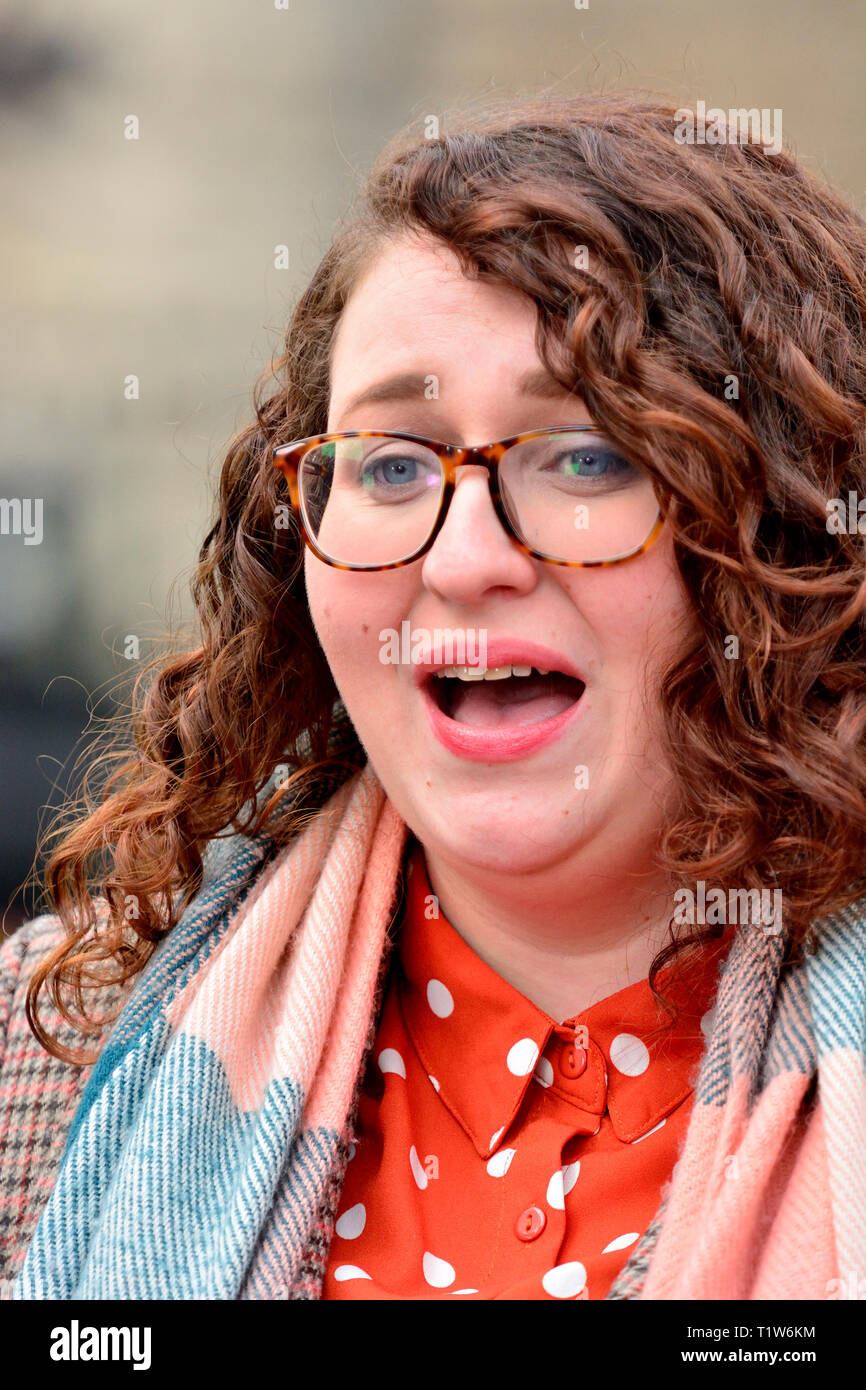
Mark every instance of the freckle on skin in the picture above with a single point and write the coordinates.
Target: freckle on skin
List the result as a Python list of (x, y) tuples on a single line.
[(365, 627)]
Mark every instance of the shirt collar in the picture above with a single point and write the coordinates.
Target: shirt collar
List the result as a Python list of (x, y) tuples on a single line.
[(483, 1043)]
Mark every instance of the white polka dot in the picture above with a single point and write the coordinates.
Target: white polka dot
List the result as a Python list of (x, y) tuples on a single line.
[(352, 1151), (438, 1273), (628, 1054), (707, 1022), (433, 1080), (565, 1281), (570, 1173), (390, 1060), (417, 1168), (649, 1132), (555, 1192), (350, 1272), (440, 998), (495, 1138), (352, 1222), (561, 1183), (621, 1242), (499, 1164), (522, 1057), (543, 1073), (454, 1291)]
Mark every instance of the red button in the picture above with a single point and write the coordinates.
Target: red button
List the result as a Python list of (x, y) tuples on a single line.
[(572, 1061), (530, 1223)]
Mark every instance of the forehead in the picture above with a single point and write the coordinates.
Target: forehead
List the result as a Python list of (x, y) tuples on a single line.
[(414, 295)]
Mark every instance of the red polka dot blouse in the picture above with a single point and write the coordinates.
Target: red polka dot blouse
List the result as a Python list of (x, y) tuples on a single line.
[(500, 1153)]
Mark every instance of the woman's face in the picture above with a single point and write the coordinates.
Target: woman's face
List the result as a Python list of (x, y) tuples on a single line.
[(413, 311)]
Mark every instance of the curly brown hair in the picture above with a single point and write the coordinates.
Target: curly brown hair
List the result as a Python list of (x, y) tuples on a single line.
[(715, 330)]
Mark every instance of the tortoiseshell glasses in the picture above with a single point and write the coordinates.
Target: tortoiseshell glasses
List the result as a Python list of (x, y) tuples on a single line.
[(376, 500)]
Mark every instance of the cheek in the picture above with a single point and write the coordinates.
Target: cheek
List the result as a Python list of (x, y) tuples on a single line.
[(337, 614), (349, 611), (320, 596), (639, 617)]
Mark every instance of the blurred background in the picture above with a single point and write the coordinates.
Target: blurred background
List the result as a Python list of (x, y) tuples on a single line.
[(154, 257)]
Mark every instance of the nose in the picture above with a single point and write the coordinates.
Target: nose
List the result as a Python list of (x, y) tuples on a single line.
[(473, 552)]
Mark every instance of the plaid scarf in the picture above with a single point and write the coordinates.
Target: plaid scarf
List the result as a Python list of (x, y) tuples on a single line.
[(207, 1153)]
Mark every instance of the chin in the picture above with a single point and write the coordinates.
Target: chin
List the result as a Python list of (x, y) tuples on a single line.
[(511, 832)]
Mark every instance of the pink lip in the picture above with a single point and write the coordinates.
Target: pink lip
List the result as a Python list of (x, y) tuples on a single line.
[(501, 745)]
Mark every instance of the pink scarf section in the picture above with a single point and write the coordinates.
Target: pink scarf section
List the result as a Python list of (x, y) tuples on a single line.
[(749, 1215), (303, 953)]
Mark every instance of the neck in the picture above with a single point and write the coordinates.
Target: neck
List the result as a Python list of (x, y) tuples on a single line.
[(565, 936)]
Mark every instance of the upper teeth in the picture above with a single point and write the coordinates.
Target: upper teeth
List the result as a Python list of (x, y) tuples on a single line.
[(488, 673)]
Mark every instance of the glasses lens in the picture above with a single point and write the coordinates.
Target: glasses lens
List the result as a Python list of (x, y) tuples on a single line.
[(370, 501), (573, 496)]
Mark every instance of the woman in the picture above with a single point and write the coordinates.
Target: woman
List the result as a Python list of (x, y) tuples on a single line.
[(482, 998)]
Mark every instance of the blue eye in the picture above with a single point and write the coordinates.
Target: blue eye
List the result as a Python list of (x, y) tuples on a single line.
[(594, 461), (397, 470)]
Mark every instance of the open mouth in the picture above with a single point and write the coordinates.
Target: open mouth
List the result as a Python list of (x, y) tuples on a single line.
[(500, 698)]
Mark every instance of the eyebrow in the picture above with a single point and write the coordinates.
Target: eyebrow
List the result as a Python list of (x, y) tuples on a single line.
[(406, 386)]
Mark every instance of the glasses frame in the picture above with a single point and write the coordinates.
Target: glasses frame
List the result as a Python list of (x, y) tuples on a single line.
[(287, 458)]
